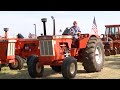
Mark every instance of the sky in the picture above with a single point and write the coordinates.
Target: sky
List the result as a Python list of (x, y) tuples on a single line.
[(22, 21)]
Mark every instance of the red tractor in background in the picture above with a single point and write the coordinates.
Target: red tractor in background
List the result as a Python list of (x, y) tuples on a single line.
[(62, 54), (7, 50), (24, 47), (111, 40)]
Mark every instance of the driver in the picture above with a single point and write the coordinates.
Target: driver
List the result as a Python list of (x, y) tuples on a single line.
[(75, 30)]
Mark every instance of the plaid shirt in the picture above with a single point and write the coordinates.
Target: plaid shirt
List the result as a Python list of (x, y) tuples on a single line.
[(74, 30)]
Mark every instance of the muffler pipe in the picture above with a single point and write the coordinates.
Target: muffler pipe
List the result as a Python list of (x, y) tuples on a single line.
[(44, 20)]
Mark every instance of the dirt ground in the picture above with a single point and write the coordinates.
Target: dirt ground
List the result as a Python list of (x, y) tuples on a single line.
[(111, 70)]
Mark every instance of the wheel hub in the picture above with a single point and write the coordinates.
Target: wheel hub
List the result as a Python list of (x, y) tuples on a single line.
[(38, 68), (72, 68), (98, 55)]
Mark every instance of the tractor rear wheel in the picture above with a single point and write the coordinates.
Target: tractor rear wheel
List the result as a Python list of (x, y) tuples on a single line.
[(56, 68), (93, 59), (18, 63), (34, 69), (69, 67)]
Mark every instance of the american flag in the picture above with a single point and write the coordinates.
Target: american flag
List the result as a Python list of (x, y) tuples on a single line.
[(94, 27)]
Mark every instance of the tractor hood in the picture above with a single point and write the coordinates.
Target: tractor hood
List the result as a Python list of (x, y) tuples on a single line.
[(55, 37)]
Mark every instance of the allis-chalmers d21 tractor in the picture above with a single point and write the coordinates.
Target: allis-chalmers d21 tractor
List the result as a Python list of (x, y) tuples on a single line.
[(7, 50), (25, 47), (62, 54), (111, 40)]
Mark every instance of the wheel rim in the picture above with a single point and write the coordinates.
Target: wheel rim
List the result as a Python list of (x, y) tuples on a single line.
[(15, 65), (67, 54), (38, 68), (72, 68), (98, 55)]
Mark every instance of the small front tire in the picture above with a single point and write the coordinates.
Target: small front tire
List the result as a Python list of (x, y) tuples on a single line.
[(69, 67), (34, 69)]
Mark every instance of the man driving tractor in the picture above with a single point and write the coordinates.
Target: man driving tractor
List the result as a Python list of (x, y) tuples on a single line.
[(75, 32)]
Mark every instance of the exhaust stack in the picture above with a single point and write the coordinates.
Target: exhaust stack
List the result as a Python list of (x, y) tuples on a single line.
[(6, 30), (44, 25), (53, 24)]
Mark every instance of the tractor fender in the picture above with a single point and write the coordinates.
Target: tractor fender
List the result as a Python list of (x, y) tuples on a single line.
[(84, 41)]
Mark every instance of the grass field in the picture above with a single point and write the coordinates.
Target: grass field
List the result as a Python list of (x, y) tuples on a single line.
[(111, 70)]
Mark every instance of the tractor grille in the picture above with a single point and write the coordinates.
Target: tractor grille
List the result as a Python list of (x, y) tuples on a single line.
[(46, 48), (11, 49)]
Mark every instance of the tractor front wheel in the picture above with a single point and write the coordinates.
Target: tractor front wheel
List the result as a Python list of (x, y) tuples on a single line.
[(18, 63), (29, 59), (34, 69), (69, 67), (94, 55)]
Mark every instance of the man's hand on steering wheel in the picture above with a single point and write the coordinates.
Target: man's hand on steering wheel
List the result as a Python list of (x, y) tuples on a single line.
[(78, 33)]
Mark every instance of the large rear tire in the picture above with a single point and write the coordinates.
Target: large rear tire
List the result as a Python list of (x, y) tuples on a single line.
[(93, 59), (69, 67), (34, 69), (18, 63)]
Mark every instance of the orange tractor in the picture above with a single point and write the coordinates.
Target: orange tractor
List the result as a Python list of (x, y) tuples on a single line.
[(111, 39), (62, 54), (24, 47), (7, 50)]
